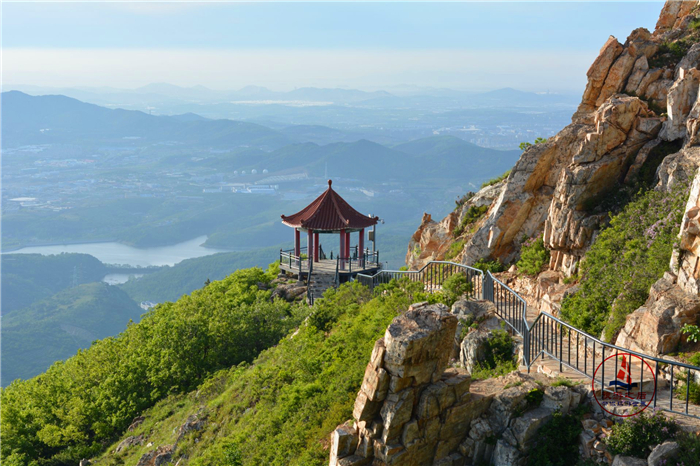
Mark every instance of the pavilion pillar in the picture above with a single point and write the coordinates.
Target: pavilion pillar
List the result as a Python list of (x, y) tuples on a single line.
[(361, 248), (297, 242), (316, 247), (310, 247), (341, 254), (347, 245)]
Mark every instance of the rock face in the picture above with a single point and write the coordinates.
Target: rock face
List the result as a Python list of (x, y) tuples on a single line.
[(674, 300), (639, 96), (431, 241), (412, 410)]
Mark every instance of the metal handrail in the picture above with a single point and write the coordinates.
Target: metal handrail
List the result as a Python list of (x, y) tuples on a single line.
[(546, 334)]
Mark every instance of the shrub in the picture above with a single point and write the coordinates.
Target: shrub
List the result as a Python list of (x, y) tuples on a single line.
[(689, 450), (498, 179), (463, 199), (669, 53), (456, 286), (493, 266), (625, 260), (692, 332), (533, 256), (557, 441), (636, 435), (472, 215), (498, 358)]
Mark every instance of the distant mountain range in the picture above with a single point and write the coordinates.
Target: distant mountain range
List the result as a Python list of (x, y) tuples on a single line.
[(56, 118), (159, 94), (59, 119)]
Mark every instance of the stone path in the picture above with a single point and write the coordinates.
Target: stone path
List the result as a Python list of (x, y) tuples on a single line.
[(641, 372)]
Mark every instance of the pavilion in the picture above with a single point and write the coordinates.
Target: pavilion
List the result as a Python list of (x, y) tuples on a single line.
[(330, 214)]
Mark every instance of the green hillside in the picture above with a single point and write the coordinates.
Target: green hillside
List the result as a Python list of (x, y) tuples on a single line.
[(27, 278), (69, 412), (202, 355), (56, 327)]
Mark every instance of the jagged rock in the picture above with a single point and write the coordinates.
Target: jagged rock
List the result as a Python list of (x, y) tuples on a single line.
[(418, 343), (129, 442), (661, 454), (655, 327), (431, 241), (160, 456), (672, 16), (620, 460), (554, 185), (598, 73)]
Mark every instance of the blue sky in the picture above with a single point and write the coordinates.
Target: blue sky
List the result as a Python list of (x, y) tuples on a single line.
[(534, 46)]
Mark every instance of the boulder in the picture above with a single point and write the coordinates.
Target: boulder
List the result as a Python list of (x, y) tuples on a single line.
[(620, 460), (662, 454), (419, 343), (525, 428), (344, 440)]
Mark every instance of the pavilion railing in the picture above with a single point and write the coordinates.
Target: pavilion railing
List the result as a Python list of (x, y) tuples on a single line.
[(290, 259), (548, 336)]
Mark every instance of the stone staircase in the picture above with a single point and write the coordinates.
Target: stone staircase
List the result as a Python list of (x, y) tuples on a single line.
[(319, 282)]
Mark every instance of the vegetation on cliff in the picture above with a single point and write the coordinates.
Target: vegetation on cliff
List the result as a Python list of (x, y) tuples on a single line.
[(625, 260)]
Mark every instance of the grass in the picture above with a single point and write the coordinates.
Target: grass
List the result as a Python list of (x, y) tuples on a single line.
[(493, 181), (454, 250)]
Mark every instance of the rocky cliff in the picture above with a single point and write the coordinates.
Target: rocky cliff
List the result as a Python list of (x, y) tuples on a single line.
[(635, 128), (639, 111)]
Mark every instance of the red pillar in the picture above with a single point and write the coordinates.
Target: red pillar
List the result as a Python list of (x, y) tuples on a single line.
[(347, 245), (310, 246), (297, 242), (361, 248), (316, 245), (341, 254)]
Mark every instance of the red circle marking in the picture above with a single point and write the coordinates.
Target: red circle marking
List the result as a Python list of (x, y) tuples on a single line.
[(640, 388)]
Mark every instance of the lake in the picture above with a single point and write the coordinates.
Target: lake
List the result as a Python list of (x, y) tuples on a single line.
[(117, 253)]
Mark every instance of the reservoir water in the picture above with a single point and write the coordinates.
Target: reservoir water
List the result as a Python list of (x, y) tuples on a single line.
[(117, 253)]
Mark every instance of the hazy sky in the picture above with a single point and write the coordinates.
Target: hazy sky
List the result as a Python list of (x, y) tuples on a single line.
[(477, 46)]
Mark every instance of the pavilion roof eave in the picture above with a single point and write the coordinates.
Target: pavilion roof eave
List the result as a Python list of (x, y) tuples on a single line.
[(329, 213)]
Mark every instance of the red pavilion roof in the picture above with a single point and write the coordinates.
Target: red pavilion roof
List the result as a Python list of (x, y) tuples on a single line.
[(329, 211)]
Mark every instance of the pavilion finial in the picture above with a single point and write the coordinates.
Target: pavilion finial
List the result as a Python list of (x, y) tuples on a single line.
[(330, 182)]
